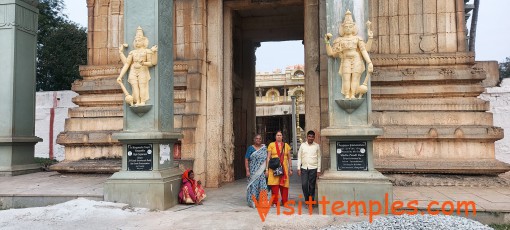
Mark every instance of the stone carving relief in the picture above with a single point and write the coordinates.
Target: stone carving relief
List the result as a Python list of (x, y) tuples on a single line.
[(428, 43), (408, 72), (477, 70), (352, 52), (272, 95), (353, 55), (447, 72), (138, 63)]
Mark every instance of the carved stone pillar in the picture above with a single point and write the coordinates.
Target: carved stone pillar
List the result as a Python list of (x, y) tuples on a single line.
[(18, 38)]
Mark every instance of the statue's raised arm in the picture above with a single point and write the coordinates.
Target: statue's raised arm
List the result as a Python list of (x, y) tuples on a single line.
[(137, 62)]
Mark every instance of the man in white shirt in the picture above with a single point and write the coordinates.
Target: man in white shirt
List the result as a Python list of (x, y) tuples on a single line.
[(309, 165)]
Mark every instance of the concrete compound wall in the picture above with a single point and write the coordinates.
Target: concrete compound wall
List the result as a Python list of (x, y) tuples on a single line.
[(499, 98), (51, 105)]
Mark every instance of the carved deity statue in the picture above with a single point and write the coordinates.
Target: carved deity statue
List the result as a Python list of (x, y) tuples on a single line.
[(352, 52), (138, 62)]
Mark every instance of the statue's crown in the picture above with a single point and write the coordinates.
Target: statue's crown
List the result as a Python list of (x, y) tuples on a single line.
[(348, 18), (139, 32)]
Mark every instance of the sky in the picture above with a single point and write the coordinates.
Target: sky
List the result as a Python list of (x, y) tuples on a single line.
[(492, 36)]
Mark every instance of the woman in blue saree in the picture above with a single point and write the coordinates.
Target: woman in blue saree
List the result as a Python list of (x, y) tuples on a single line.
[(255, 164)]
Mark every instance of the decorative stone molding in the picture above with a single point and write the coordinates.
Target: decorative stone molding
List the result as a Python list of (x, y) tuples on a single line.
[(408, 72), (95, 70), (23, 19), (394, 76), (89, 112), (433, 59), (181, 67), (376, 73), (179, 96), (477, 70), (447, 72), (440, 104), (103, 70), (272, 95)]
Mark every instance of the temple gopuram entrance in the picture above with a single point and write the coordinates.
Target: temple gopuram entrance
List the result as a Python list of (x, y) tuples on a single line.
[(246, 25), (424, 86)]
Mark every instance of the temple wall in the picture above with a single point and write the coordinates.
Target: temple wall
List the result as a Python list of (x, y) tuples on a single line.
[(45, 102), (417, 26), (424, 89), (499, 98), (105, 31)]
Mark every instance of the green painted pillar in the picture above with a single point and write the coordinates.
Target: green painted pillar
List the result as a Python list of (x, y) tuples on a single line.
[(351, 176), (149, 177), (18, 39)]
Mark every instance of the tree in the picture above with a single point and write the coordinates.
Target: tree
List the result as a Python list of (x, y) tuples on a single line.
[(504, 69), (61, 48)]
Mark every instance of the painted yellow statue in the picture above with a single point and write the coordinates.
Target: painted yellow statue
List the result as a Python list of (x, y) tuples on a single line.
[(352, 52), (138, 62)]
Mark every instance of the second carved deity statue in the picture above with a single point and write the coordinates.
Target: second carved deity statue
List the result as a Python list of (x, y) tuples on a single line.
[(353, 55), (138, 62)]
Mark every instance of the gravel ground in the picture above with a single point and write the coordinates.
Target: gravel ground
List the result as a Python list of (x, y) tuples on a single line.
[(415, 222)]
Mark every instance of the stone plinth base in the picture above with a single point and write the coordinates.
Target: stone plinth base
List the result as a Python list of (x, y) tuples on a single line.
[(88, 166), (442, 166), (148, 189), (16, 170), (348, 186), (17, 156)]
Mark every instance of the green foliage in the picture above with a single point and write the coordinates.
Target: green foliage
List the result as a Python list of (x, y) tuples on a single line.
[(45, 163), (504, 68), (500, 226), (61, 48)]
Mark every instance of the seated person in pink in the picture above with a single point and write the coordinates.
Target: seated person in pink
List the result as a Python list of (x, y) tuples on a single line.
[(191, 190)]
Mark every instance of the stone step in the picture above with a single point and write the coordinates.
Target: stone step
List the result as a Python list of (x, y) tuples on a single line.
[(94, 124), (98, 85), (431, 118), (87, 138), (88, 166), (441, 166), (90, 112), (430, 104), (80, 152), (99, 100)]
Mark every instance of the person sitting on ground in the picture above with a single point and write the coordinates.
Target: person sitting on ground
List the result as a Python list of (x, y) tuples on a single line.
[(191, 190)]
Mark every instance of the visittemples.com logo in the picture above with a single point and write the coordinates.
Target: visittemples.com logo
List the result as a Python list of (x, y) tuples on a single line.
[(373, 208)]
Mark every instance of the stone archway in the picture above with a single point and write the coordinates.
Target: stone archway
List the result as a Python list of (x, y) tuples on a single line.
[(246, 25)]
